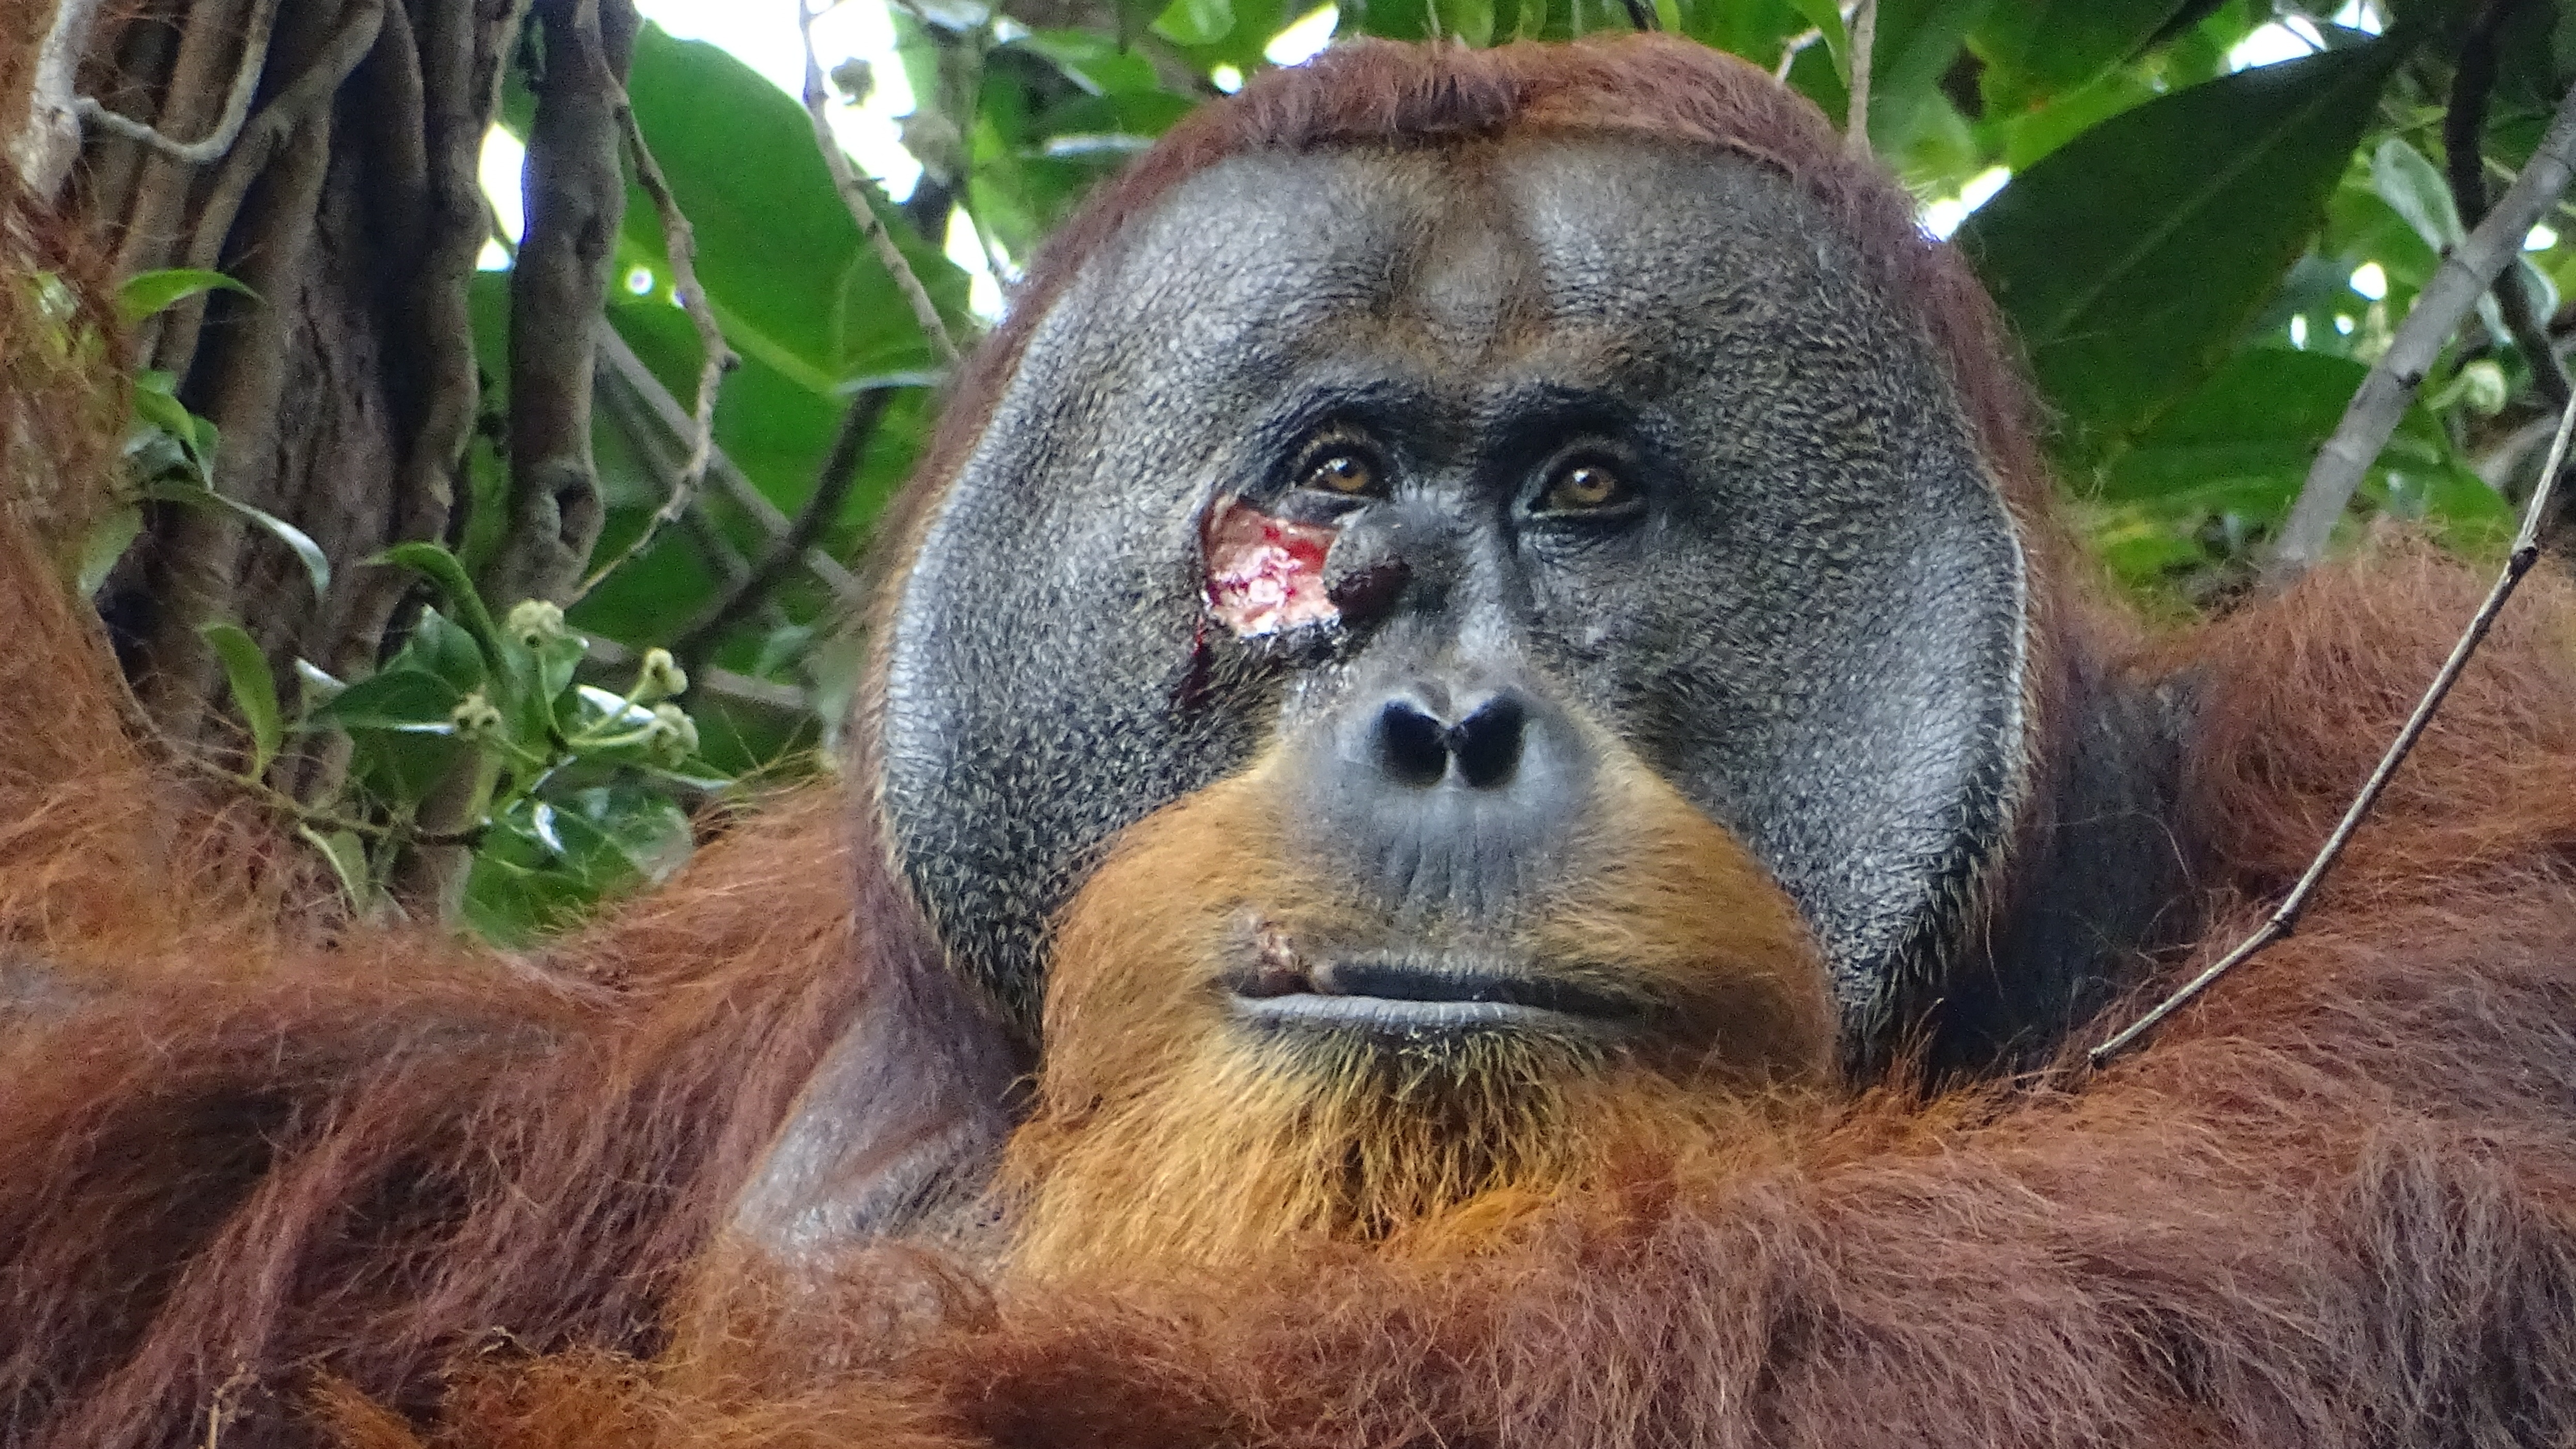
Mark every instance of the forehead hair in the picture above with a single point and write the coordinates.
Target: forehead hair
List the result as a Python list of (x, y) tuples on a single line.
[(1379, 93)]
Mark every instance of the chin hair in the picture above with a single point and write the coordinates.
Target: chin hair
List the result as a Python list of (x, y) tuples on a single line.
[(1262, 1141)]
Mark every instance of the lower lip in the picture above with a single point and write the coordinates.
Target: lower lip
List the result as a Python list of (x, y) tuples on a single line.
[(1392, 1016)]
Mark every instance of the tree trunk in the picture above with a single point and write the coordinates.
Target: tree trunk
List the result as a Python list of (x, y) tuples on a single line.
[(334, 171)]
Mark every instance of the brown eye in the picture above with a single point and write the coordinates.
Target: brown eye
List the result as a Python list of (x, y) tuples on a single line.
[(1340, 469), (1585, 487)]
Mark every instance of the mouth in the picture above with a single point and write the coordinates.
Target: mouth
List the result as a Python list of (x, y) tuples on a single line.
[(1410, 998)]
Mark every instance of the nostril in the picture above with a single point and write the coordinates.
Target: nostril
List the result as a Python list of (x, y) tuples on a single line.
[(1487, 744), (1412, 746)]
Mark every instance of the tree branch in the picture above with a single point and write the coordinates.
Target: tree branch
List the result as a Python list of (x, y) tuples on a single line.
[(644, 407), (680, 248), (1864, 39), (832, 486), (254, 58), (845, 179), (576, 200), (48, 138), (2464, 125), (2390, 387)]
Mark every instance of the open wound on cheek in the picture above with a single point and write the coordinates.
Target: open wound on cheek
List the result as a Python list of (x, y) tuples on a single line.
[(1264, 574)]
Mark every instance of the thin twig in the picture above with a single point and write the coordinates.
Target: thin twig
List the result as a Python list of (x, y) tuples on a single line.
[(845, 179), (1641, 14), (2285, 917), (840, 472), (1790, 50), (637, 398), (2384, 395), (2464, 125), (1864, 39), (680, 246), (227, 129)]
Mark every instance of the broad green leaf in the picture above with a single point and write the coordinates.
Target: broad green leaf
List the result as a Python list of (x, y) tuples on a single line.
[(1390, 19), (512, 904), (2132, 257), (156, 401), (648, 829), (1195, 22), (1141, 115), (1471, 21), (1916, 41), (254, 688), (145, 293), (433, 562), (440, 646), (783, 265), (104, 544), (348, 860), (315, 686), (2036, 50), (2030, 136), (409, 701), (2413, 187), (317, 564), (2263, 414), (1827, 18), (1093, 61)]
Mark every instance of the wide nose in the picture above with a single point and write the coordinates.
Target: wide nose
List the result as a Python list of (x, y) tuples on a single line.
[(1419, 743), (1448, 790)]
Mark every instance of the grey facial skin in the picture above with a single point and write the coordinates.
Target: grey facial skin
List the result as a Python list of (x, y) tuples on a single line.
[(1807, 611)]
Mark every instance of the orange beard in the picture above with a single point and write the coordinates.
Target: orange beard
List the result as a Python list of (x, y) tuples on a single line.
[(1167, 1132)]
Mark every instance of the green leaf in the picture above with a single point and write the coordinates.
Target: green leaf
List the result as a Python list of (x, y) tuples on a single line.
[(148, 292), (2413, 188), (649, 832), (408, 701), (315, 685), (156, 403), (438, 645), (317, 564), (348, 860), (2039, 49), (254, 688), (1827, 17), (104, 544), (1093, 61), (783, 265), (1471, 21), (2263, 414), (2132, 257), (434, 563), (1195, 22), (1391, 19), (511, 904)]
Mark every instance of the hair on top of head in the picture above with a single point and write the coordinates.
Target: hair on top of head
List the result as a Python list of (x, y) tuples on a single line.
[(1373, 92)]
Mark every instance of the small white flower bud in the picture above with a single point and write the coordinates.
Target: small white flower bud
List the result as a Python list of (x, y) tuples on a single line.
[(659, 677), (534, 621), (475, 718), (674, 735), (2483, 387)]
